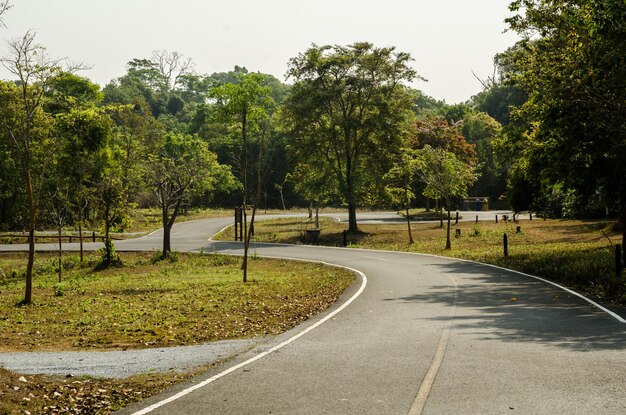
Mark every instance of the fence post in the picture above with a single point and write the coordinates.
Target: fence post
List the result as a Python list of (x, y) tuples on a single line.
[(236, 223), (345, 238), (506, 245), (476, 218), (496, 218), (457, 218), (531, 215), (618, 260), (93, 236)]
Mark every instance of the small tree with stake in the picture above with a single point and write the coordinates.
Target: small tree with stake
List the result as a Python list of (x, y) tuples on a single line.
[(445, 176)]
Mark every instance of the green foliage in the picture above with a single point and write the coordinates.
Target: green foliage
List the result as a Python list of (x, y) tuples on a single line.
[(570, 63), (346, 112)]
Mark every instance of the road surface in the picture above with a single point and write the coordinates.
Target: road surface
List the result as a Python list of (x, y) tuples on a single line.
[(417, 334)]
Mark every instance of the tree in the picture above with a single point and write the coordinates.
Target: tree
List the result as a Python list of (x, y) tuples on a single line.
[(85, 132), (24, 122), (347, 108), (399, 187), (435, 131), (245, 106), (570, 62), (444, 175), (182, 165)]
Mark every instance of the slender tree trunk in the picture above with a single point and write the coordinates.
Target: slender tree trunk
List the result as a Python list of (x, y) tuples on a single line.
[(166, 232), (448, 242), (408, 224), (28, 295), (80, 217), (60, 235), (317, 214), (282, 198), (244, 175), (310, 207)]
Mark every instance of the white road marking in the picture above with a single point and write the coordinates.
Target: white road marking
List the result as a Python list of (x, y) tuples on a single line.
[(263, 354)]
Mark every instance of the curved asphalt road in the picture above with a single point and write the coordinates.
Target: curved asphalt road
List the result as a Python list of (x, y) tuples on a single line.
[(426, 335)]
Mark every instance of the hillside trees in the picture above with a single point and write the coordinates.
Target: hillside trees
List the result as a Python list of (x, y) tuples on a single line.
[(347, 107)]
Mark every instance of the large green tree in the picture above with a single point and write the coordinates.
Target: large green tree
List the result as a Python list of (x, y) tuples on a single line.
[(348, 106), (572, 64)]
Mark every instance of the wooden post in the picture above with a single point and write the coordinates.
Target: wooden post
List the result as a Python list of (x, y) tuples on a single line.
[(457, 218), (236, 223), (476, 218), (618, 260), (496, 218), (93, 236), (345, 238), (530, 215), (506, 245)]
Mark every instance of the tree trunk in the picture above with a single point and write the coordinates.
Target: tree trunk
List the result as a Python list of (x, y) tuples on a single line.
[(448, 242), (310, 207), (408, 224), (244, 176), (166, 233), (352, 225), (282, 198), (28, 294), (317, 214), (60, 230), (80, 217)]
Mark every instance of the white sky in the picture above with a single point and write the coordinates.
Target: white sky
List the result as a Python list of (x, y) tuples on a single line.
[(447, 38)]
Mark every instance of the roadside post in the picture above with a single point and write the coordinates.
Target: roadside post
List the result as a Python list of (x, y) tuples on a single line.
[(506, 245), (618, 260)]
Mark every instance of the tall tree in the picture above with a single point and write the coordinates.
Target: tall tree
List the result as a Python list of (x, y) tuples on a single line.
[(85, 132), (399, 184), (245, 106), (572, 64), (347, 106), (24, 122)]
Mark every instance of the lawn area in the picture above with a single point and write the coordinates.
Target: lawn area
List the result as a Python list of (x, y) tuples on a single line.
[(574, 252), (149, 303), (144, 303)]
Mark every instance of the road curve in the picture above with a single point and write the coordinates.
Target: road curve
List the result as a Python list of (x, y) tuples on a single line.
[(427, 335)]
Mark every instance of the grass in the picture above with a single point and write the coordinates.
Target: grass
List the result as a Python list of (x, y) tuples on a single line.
[(144, 303), (573, 252)]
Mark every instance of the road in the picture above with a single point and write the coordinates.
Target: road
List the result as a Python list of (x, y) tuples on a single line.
[(417, 334)]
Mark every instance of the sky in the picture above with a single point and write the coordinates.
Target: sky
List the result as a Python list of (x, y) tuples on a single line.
[(448, 39)]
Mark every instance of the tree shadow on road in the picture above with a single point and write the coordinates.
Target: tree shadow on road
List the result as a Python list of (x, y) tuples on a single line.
[(495, 304)]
